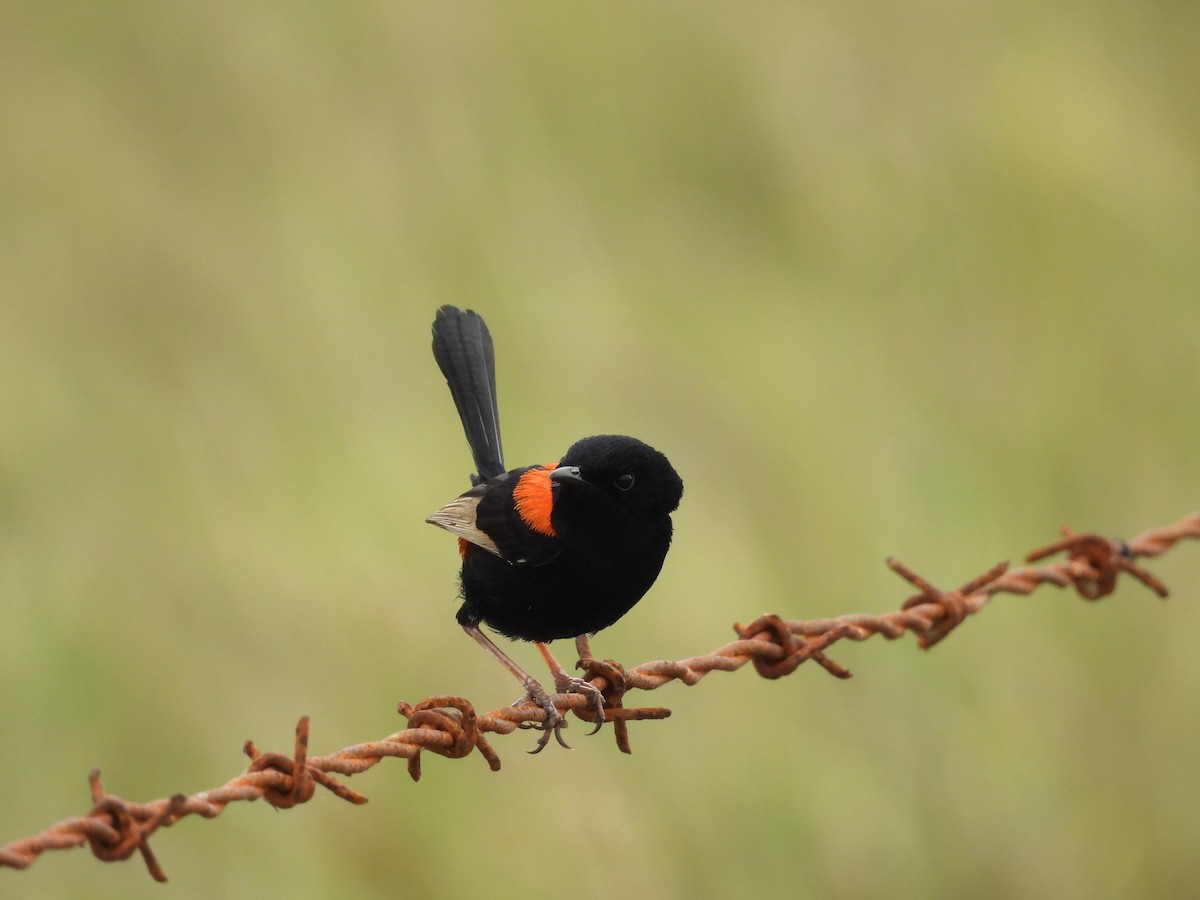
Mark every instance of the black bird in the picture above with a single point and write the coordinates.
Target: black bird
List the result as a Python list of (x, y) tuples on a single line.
[(550, 551)]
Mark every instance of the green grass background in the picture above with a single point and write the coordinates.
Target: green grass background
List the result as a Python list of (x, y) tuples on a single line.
[(912, 279)]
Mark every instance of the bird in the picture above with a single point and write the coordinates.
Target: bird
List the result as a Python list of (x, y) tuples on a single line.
[(549, 551)]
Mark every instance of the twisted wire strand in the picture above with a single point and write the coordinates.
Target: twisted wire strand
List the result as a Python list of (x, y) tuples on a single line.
[(115, 828)]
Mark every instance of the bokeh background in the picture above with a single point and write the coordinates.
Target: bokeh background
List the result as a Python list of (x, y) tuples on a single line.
[(916, 279)]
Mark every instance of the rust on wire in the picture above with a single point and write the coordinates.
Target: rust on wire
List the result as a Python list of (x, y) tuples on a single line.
[(115, 829)]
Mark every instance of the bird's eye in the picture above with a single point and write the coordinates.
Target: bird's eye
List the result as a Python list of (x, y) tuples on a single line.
[(623, 482)]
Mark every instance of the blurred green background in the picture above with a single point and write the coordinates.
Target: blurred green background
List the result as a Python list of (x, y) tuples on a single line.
[(918, 280)]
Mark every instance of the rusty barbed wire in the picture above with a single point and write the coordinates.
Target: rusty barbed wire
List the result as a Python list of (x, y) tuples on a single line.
[(115, 828)]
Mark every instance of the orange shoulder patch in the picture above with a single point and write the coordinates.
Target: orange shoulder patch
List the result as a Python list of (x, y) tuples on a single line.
[(533, 499)]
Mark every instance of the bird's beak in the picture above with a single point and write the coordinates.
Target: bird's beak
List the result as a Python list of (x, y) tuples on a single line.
[(566, 473)]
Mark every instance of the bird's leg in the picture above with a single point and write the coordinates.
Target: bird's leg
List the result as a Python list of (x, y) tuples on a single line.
[(583, 647), (569, 684), (555, 722)]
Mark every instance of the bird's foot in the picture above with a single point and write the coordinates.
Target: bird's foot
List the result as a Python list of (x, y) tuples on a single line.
[(555, 721), (569, 684)]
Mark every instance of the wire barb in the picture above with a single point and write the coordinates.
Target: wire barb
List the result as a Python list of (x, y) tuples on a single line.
[(449, 726)]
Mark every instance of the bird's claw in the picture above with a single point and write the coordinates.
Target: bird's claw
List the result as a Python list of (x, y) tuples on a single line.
[(568, 684), (555, 721)]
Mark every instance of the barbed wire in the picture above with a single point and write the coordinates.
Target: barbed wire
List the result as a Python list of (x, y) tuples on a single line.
[(115, 828)]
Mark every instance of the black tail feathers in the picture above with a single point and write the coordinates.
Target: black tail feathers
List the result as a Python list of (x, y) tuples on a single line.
[(462, 347)]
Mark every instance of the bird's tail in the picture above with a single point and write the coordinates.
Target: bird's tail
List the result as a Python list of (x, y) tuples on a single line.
[(462, 347)]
